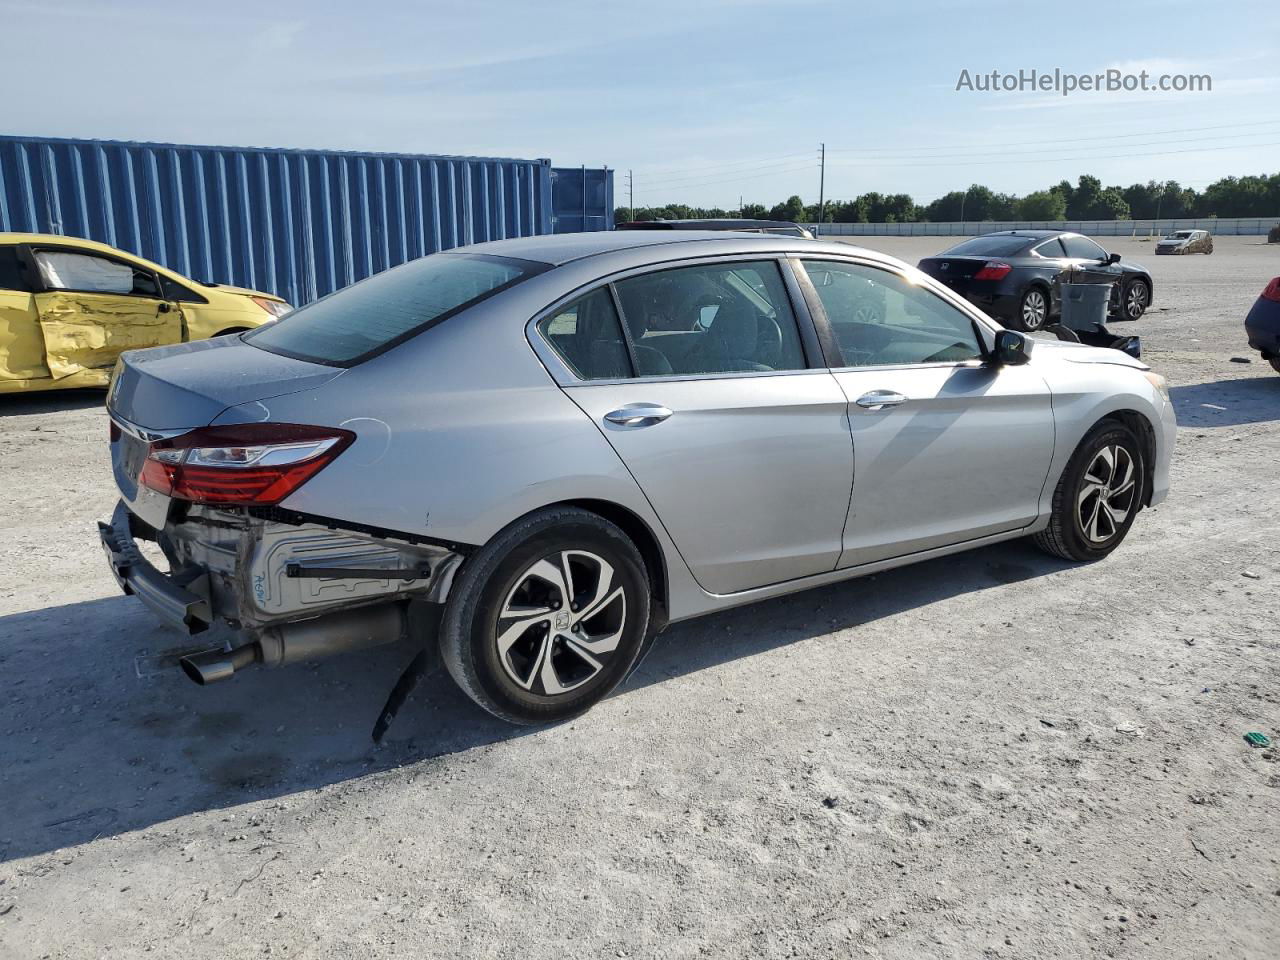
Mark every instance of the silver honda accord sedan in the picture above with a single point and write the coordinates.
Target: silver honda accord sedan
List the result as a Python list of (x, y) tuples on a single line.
[(561, 444)]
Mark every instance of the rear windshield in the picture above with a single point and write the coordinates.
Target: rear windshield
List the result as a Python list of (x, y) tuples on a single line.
[(994, 246), (375, 314)]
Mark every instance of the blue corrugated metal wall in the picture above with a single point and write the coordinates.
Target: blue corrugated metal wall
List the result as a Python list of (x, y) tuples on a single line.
[(581, 199), (298, 223)]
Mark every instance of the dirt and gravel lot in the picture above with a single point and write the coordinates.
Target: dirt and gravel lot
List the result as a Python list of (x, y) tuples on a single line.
[(994, 754)]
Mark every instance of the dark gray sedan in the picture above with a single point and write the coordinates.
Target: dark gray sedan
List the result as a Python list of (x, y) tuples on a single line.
[(1011, 275)]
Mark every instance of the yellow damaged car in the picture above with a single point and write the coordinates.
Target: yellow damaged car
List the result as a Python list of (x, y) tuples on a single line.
[(68, 308)]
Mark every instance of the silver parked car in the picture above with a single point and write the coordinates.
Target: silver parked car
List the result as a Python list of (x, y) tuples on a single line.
[(570, 441)]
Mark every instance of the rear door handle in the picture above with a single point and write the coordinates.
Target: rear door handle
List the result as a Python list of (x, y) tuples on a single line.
[(878, 399), (638, 414)]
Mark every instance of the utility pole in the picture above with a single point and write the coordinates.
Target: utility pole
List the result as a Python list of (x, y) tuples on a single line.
[(822, 186), (739, 206), (631, 192)]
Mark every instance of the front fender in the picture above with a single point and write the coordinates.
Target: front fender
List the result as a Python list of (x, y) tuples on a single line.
[(1085, 393)]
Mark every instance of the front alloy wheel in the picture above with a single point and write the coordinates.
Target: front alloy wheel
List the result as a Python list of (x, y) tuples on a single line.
[(1034, 310), (1097, 496), (547, 617), (1136, 297), (1107, 494)]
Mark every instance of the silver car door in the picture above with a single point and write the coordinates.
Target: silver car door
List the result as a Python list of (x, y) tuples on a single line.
[(947, 448), (743, 451)]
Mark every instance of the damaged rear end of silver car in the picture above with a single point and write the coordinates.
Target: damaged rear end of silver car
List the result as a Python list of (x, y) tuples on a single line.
[(293, 588)]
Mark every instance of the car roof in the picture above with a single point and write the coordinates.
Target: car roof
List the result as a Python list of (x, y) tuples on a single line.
[(723, 223), (39, 238), (1031, 234), (561, 248)]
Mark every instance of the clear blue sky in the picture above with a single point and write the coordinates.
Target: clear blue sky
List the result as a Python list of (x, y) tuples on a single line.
[(704, 99)]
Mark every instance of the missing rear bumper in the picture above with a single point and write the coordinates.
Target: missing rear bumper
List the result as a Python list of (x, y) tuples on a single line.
[(179, 600), (294, 592)]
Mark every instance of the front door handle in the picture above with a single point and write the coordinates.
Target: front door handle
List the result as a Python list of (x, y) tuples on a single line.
[(638, 414), (879, 399)]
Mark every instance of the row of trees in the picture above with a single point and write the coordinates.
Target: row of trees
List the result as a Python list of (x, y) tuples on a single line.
[(1087, 199)]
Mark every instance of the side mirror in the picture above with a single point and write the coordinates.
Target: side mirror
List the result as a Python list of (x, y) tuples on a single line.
[(1113, 258), (1012, 349)]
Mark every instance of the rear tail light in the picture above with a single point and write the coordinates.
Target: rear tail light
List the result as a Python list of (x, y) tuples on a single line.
[(1273, 290), (243, 465), (993, 271)]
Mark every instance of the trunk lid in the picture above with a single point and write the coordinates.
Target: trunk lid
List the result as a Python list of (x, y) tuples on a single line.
[(188, 384), (170, 390), (953, 269)]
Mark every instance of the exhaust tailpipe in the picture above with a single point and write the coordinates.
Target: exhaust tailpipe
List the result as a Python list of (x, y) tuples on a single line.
[(302, 640), (207, 668)]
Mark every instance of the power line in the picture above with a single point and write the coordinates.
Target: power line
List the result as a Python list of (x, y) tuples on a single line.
[(1027, 153), (1084, 157), (650, 186), (728, 163), (1033, 143)]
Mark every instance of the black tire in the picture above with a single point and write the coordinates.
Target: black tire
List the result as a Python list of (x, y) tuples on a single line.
[(1275, 363), (1029, 309), (1068, 534), (500, 571), (1135, 297)]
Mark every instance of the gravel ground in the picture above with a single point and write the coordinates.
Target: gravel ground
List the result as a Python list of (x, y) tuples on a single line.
[(994, 754)]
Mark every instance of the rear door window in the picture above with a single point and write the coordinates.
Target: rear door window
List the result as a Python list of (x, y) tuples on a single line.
[(731, 317), (1052, 249), (588, 337), (374, 315)]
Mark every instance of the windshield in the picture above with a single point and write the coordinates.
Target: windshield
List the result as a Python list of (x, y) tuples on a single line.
[(995, 245), (359, 321)]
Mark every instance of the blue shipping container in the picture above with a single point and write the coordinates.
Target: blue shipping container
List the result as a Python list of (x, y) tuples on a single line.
[(297, 223), (581, 199)]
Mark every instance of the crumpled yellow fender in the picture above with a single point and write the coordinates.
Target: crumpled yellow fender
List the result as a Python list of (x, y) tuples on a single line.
[(88, 332)]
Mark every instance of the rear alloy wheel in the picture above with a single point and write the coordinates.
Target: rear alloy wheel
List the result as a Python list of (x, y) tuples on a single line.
[(548, 618), (1137, 295), (1033, 310), (1097, 497)]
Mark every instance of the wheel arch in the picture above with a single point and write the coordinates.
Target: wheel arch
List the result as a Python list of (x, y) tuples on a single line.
[(1145, 431), (640, 533), (634, 526)]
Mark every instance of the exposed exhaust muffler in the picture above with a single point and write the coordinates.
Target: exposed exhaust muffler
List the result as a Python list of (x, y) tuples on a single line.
[(312, 639)]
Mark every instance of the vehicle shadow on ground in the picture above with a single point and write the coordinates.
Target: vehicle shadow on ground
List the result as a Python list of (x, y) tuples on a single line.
[(102, 735), (1228, 403), (52, 401)]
